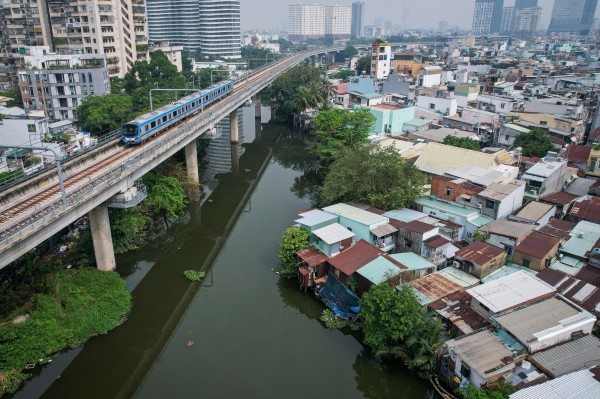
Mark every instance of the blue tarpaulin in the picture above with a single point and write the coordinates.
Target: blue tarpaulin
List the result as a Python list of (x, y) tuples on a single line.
[(338, 298)]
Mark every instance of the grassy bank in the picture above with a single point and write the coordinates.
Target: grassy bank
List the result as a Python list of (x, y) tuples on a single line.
[(82, 303)]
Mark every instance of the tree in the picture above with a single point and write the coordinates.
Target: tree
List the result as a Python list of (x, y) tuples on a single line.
[(343, 55), (166, 195), (293, 240), (102, 114), (462, 142), (388, 316), (343, 74), (363, 65), (497, 391), (419, 350), (375, 176), (536, 143), (285, 88), (337, 129)]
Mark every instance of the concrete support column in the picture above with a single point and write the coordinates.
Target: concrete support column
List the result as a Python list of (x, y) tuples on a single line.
[(235, 158), (191, 161), (257, 106), (103, 245), (233, 123)]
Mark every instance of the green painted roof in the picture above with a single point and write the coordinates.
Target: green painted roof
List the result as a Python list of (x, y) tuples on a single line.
[(379, 270), (481, 221), (435, 203), (418, 122), (412, 261)]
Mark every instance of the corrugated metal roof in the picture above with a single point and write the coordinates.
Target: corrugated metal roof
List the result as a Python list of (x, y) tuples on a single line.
[(506, 228), (412, 261), (405, 215), (451, 208), (537, 244), (384, 230), (582, 384), (571, 356), (379, 270), (356, 214), (510, 291), (540, 319), (482, 352), (442, 283), (314, 217), (534, 211), (583, 238), (480, 252), (439, 158), (333, 233), (457, 309), (505, 271)]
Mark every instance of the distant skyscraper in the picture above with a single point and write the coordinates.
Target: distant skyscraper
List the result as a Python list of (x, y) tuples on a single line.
[(522, 20), (508, 14), (525, 4), (313, 21), (209, 26), (572, 16), (487, 18), (358, 19)]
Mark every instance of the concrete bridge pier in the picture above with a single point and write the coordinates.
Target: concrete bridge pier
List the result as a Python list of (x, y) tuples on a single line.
[(233, 124), (257, 106), (191, 161), (103, 244), (235, 158)]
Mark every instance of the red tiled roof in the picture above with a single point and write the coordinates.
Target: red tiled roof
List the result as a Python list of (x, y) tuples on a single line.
[(312, 256), (587, 209), (436, 242), (594, 135), (355, 257), (479, 252), (537, 244), (376, 211), (405, 53), (578, 153), (559, 198), (558, 141), (562, 224), (341, 88), (590, 274)]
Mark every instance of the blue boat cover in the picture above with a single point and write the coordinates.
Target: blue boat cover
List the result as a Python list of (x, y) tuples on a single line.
[(339, 298)]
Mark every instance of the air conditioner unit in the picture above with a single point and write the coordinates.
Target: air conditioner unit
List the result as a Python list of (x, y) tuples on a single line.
[(456, 264), (533, 192), (479, 205)]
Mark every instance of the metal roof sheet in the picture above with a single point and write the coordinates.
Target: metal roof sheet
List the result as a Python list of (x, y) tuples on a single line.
[(379, 270), (384, 230), (541, 319), (480, 252), (439, 284), (510, 291), (583, 238), (314, 217), (438, 158), (450, 208), (356, 214), (482, 352), (534, 211), (405, 215), (508, 228), (412, 261), (582, 384), (333, 233), (537, 244)]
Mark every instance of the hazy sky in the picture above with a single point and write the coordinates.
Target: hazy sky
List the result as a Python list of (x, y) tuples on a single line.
[(273, 14)]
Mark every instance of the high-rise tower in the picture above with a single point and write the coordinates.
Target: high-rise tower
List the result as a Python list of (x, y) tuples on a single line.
[(487, 18), (358, 19), (572, 16)]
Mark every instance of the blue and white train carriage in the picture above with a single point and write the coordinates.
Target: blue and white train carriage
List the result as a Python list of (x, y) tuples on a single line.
[(145, 126)]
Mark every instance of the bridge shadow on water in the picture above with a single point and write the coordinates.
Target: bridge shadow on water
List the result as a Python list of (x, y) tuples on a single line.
[(113, 365)]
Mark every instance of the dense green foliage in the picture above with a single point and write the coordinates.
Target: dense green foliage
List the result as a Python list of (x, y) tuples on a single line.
[(194, 275), (127, 227), (536, 143), (496, 391), (332, 321), (344, 74), (300, 88), (337, 129), (293, 240), (103, 114), (15, 96), (389, 316), (375, 176), (166, 195), (81, 304), (345, 54), (462, 142), (363, 65), (8, 177)]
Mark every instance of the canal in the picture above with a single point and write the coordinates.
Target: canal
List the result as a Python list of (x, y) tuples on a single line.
[(242, 333)]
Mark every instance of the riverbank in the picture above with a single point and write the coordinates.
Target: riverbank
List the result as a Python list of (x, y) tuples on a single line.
[(80, 304)]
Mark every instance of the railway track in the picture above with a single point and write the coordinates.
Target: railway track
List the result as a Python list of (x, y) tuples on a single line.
[(15, 217)]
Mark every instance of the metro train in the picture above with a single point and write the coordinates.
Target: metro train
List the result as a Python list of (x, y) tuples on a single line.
[(145, 126)]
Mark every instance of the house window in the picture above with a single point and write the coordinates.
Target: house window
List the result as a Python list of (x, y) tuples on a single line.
[(507, 138), (448, 191), (31, 128), (431, 106), (592, 164), (464, 371), (526, 263), (491, 205), (543, 123), (502, 105)]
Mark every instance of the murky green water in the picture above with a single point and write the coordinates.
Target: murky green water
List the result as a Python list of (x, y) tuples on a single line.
[(243, 333)]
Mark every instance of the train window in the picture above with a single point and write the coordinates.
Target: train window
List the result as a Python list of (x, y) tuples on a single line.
[(164, 119), (153, 124)]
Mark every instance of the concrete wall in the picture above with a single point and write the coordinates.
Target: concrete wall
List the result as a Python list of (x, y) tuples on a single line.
[(446, 106), (537, 264)]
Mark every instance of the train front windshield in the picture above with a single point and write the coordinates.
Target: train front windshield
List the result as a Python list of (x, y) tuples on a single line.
[(130, 130)]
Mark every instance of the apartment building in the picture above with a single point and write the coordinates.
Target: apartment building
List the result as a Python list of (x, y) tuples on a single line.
[(56, 84), (314, 21), (111, 27)]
